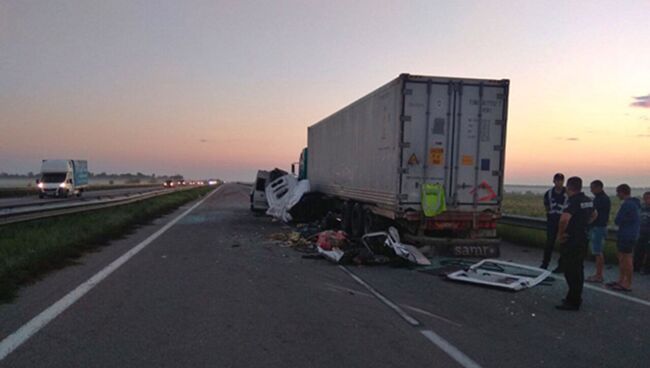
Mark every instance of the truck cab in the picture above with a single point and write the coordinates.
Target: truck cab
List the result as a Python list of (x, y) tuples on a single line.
[(61, 178)]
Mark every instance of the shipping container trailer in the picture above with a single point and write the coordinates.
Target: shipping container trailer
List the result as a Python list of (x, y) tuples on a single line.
[(375, 155)]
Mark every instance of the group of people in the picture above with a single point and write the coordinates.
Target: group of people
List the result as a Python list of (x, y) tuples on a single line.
[(577, 223)]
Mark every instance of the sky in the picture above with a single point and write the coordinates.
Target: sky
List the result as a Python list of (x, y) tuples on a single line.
[(222, 88)]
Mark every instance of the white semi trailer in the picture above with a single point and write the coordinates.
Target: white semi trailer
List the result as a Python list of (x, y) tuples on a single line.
[(373, 157)]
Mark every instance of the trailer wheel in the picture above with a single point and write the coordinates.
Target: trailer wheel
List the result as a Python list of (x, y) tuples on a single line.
[(346, 217), (357, 220), (369, 221)]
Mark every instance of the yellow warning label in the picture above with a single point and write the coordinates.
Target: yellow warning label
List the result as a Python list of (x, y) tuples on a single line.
[(468, 160), (413, 160), (436, 156)]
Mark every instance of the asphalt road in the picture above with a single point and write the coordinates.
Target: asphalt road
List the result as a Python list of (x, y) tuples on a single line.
[(93, 194), (214, 291)]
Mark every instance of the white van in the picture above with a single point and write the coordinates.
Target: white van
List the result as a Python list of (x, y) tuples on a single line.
[(61, 178), (258, 195)]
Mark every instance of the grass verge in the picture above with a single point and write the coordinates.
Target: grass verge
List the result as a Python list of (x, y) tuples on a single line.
[(29, 249), (537, 238)]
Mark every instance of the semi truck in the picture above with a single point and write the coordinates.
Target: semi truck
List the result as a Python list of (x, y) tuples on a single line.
[(385, 158), (61, 178)]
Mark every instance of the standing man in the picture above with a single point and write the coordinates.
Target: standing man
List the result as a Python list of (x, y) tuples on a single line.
[(574, 239), (598, 231), (629, 223), (642, 254), (555, 200)]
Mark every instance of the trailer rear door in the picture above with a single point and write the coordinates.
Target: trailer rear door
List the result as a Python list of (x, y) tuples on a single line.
[(453, 133), (479, 143)]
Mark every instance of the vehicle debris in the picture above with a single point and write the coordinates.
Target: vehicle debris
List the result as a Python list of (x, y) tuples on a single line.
[(282, 194), (405, 251), (501, 274)]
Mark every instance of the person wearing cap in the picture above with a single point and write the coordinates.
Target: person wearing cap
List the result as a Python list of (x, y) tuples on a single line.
[(573, 239), (555, 200)]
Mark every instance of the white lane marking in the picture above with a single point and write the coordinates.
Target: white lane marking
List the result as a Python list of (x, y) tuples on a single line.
[(451, 350), (436, 339), (405, 306), (433, 315), (412, 321), (618, 294), (13, 341)]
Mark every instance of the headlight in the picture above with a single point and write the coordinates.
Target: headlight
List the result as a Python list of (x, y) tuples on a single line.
[(40, 185), (62, 185)]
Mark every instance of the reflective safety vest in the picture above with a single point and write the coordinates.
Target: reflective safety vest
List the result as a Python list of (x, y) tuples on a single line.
[(433, 199)]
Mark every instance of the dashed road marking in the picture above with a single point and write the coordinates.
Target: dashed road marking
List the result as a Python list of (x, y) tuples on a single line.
[(433, 337)]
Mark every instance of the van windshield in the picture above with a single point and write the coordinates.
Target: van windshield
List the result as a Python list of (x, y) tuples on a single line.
[(53, 178)]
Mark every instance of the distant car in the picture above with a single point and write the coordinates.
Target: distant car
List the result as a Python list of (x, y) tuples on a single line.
[(168, 183), (213, 182), (258, 194), (181, 182)]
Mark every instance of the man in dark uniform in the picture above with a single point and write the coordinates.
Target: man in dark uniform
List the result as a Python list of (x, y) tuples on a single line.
[(555, 200), (573, 238)]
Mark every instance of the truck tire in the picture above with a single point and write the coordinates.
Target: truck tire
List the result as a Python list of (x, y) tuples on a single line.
[(346, 217), (357, 220), (370, 222)]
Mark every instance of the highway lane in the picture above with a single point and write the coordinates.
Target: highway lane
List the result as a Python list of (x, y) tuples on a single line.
[(93, 194), (213, 291)]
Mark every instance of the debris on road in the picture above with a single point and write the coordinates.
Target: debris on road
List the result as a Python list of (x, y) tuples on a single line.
[(501, 274), (291, 239), (405, 251), (330, 244)]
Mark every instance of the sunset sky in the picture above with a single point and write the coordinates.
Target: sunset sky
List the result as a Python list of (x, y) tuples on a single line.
[(222, 88)]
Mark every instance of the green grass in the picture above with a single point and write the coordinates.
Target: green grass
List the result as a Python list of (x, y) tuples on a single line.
[(29, 249), (529, 204), (537, 238), (33, 191)]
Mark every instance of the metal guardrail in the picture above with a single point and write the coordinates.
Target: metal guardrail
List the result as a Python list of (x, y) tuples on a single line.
[(14, 215), (53, 201), (539, 223)]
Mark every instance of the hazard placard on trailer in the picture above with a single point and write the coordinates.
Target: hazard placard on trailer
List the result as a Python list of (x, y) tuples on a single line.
[(413, 160)]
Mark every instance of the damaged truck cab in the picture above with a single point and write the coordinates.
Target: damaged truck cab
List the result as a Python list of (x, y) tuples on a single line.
[(424, 153)]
